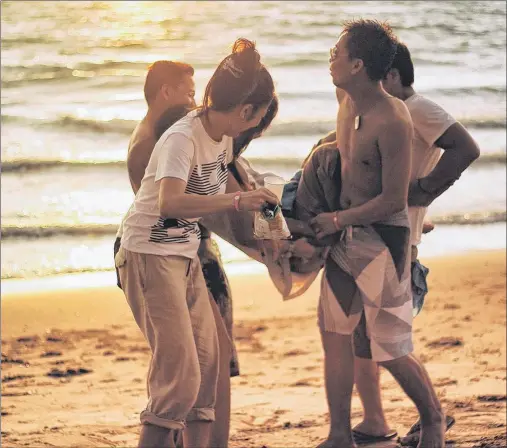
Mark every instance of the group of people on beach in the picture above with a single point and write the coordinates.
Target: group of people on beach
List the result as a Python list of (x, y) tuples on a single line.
[(363, 193)]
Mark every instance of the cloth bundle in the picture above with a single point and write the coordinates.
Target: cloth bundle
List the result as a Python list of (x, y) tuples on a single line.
[(313, 190)]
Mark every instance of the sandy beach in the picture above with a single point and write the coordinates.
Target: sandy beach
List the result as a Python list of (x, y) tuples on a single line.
[(74, 363)]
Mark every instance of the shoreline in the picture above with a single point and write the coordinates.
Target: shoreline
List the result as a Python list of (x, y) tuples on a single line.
[(99, 279), (63, 260), (15, 286)]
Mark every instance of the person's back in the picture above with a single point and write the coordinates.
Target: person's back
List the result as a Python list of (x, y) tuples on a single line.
[(141, 144)]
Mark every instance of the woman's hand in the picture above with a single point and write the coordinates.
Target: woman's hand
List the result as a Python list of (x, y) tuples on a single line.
[(255, 199), (325, 224)]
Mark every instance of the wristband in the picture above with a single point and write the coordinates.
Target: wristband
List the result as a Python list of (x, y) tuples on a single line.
[(335, 220), (236, 200)]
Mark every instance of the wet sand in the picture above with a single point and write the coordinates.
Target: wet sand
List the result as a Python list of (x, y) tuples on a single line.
[(74, 363)]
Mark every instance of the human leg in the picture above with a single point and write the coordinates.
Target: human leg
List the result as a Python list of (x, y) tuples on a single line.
[(419, 291), (202, 415), (156, 289), (367, 380), (389, 314), (339, 381), (219, 437), (158, 303), (152, 436), (415, 382), (338, 315), (221, 301)]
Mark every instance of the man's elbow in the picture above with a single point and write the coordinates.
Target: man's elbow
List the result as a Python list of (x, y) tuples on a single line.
[(473, 152), (466, 149)]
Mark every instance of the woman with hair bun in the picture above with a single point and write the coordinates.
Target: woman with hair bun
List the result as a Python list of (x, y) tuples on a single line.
[(186, 178), (215, 275)]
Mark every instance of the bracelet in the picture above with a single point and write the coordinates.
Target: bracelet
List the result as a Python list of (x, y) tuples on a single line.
[(421, 188), (236, 200), (335, 220)]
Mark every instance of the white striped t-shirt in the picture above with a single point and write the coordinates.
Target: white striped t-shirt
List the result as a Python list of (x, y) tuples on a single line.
[(185, 151)]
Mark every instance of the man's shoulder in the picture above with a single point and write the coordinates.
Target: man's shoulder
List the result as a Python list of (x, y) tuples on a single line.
[(426, 113), (420, 105), (142, 138), (418, 100), (393, 110), (395, 104), (139, 152)]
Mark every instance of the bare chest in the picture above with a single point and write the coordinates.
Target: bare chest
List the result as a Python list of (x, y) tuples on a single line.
[(357, 140)]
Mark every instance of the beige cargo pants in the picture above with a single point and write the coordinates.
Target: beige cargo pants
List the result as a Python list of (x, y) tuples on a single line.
[(170, 303)]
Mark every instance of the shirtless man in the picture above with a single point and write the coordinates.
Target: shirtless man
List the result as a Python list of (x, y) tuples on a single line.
[(430, 177), (370, 266), (167, 84)]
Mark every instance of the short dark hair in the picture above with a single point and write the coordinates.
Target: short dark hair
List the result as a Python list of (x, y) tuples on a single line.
[(374, 43), (164, 72), (403, 63), (239, 79)]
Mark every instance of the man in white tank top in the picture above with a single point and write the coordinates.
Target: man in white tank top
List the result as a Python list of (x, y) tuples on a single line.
[(431, 175)]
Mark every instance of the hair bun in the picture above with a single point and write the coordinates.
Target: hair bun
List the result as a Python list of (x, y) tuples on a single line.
[(243, 44), (246, 55)]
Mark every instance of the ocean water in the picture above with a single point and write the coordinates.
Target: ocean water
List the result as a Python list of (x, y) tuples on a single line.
[(72, 80)]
